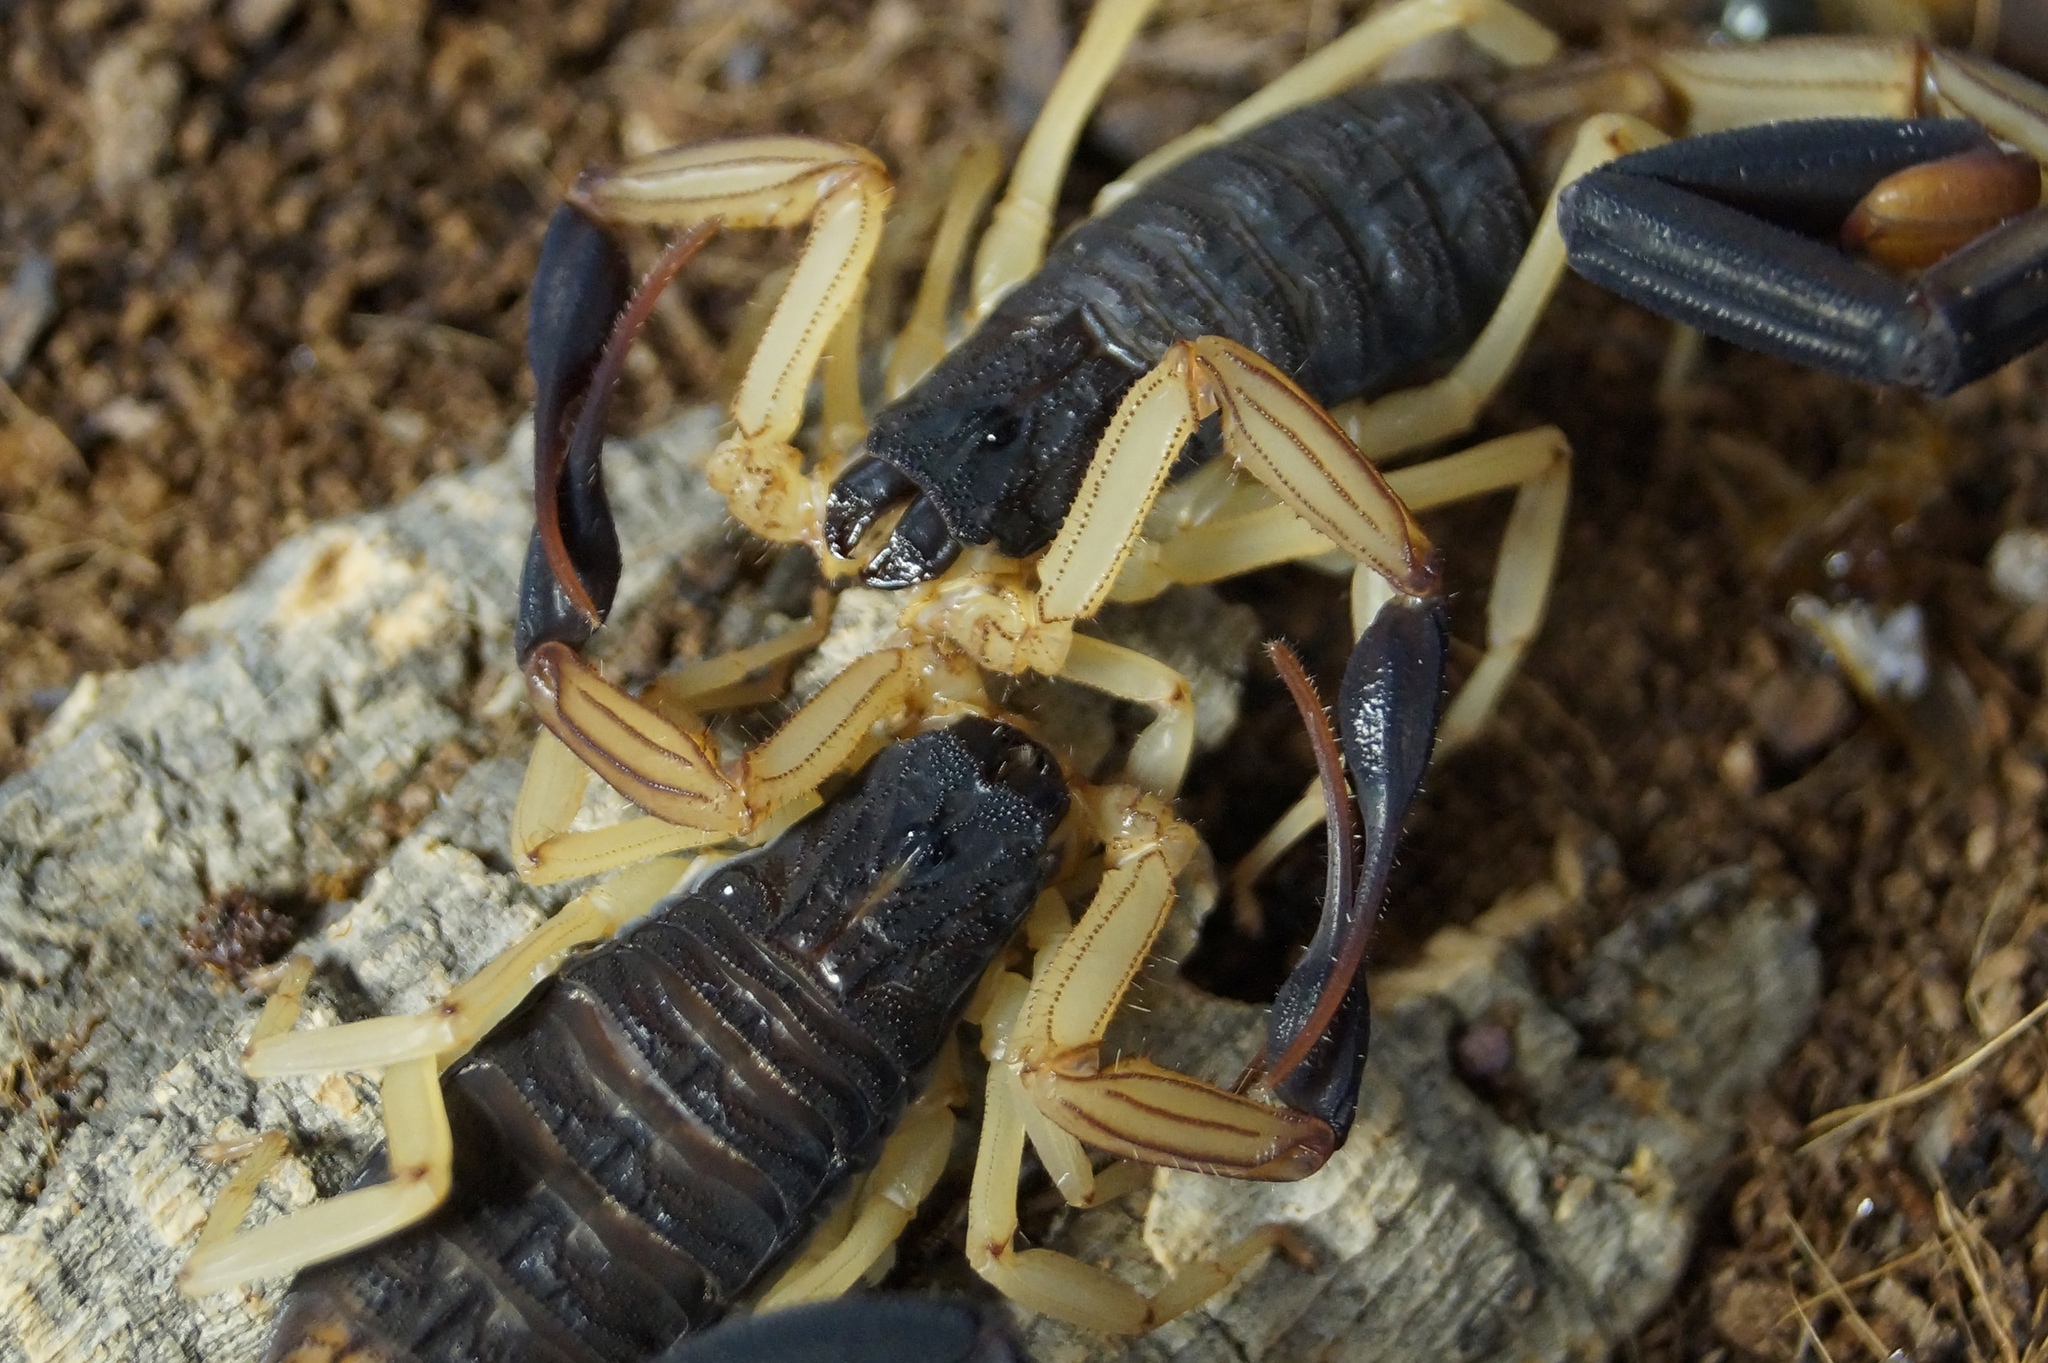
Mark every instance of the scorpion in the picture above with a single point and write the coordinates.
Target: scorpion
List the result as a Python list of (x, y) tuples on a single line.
[(1333, 275)]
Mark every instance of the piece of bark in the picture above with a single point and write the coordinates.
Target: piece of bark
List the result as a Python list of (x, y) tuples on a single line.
[(256, 764)]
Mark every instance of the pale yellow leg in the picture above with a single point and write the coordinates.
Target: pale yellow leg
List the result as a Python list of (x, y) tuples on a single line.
[(411, 1051), (1131, 1107), (1387, 427), (1046, 1280), (843, 419), (447, 1031), (723, 681), (421, 1155), (1159, 756), (2011, 106), (843, 193), (1302, 817), (231, 1208), (923, 339), (1539, 463), (1494, 26), (1017, 233), (1739, 86), (911, 1162), (673, 772), (1270, 427), (544, 852)]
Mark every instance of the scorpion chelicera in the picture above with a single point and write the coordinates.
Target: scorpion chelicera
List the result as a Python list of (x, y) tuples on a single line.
[(1326, 242)]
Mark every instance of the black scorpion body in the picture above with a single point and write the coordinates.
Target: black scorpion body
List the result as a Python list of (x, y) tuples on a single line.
[(676, 1110), (1360, 243)]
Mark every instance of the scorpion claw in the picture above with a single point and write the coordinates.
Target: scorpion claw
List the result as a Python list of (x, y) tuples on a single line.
[(918, 550), (586, 316), (862, 495), (1387, 712)]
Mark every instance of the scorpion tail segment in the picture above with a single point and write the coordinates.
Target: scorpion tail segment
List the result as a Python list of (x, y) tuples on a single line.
[(1735, 233), (1387, 711), (862, 1329), (584, 321), (579, 290)]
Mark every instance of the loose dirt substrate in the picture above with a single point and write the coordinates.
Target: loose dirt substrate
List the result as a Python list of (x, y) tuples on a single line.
[(290, 242)]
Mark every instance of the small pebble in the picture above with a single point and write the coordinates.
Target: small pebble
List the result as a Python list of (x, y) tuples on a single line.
[(1885, 655), (1738, 767), (27, 308), (2019, 567), (1800, 715), (1486, 1051)]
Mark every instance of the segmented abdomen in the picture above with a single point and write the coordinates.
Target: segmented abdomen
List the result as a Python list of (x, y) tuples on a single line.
[(674, 1112), (1358, 242)]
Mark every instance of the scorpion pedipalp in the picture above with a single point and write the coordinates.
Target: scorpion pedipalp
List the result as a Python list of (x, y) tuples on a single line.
[(1387, 710), (584, 322)]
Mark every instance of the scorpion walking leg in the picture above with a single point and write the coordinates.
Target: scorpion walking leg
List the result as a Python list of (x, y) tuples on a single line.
[(1538, 464), (767, 182), (1392, 425), (1131, 1107), (412, 1051), (1159, 756), (552, 793), (1014, 245), (902, 1178), (1046, 1280), (1494, 26), (421, 1153), (923, 338), (673, 772)]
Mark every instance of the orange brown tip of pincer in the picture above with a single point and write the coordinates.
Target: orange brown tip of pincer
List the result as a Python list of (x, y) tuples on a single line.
[(1924, 213)]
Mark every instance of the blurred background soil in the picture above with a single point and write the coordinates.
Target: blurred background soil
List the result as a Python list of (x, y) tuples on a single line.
[(265, 262)]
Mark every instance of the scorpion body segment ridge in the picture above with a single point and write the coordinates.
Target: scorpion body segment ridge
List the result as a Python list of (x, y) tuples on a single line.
[(677, 1109), (1359, 244)]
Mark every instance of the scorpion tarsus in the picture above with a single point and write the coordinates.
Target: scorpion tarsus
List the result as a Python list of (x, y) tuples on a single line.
[(1386, 724)]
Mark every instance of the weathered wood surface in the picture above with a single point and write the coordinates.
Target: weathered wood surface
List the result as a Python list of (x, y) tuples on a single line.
[(1443, 1231), (318, 688)]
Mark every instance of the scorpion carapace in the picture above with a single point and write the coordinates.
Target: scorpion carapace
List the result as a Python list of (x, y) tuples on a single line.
[(1358, 244), (677, 1109)]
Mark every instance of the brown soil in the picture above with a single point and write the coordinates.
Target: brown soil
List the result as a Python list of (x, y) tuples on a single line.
[(290, 243)]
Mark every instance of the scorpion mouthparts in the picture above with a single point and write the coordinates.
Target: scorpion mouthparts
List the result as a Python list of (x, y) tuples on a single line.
[(919, 550), (859, 497)]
